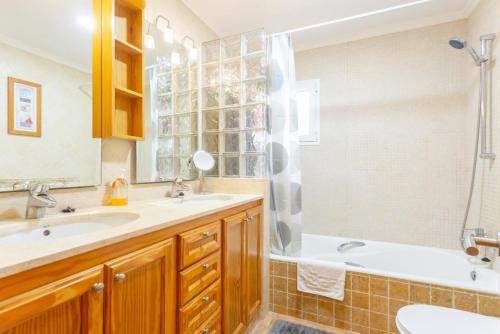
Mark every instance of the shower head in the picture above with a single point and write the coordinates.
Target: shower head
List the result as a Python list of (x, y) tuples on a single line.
[(460, 44)]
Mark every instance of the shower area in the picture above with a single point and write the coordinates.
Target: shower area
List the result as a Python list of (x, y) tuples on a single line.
[(404, 187)]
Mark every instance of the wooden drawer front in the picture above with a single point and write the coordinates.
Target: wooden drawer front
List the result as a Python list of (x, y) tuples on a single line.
[(199, 310), (198, 243), (198, 277), (212, 326)]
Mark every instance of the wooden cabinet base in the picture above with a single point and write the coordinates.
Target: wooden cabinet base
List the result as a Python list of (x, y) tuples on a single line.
[(144, 284)]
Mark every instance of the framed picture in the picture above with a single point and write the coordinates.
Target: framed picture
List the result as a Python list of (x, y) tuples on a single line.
[(24, 108)]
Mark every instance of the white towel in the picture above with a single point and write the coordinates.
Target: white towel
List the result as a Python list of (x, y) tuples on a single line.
[(321, 278)]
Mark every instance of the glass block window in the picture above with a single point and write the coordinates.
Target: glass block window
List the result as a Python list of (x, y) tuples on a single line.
[(234, 97), (176, 101)]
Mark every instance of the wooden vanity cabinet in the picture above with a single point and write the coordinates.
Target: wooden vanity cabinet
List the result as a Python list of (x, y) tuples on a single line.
[(140, 291), (71, 305), (201, 276), (241, 270)]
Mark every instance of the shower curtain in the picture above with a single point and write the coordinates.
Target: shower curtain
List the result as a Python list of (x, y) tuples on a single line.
[(283, 149)]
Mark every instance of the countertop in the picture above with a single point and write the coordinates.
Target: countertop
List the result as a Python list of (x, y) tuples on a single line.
[(153, 215)]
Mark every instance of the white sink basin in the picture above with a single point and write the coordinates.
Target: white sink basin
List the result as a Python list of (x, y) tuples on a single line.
[(61, 227), (208, 199)]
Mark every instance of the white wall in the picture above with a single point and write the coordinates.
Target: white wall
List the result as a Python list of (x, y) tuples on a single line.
[(391, 164), (66, 148)]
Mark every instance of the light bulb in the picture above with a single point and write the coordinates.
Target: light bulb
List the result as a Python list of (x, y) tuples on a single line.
[(168, 35), (176, 58), (149, 41)]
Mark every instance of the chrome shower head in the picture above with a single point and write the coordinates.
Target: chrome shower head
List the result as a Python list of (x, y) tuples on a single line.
[(460, 44)]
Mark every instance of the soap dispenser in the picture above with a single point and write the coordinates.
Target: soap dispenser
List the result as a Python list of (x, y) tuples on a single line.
[(120, 191)]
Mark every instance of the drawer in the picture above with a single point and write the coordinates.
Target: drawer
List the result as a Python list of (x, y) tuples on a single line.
[(198, 311), (198, 243), (198, 277), (212, 326)]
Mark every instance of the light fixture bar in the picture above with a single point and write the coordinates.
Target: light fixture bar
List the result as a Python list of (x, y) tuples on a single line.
[(355, 17)]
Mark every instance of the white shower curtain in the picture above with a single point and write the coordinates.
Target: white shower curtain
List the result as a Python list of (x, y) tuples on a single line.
[(283, 149)]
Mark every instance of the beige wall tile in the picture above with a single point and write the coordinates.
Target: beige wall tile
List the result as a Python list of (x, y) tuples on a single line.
[(379, 304), (465, 301), (489, 305), (379, 321), (420, 293), (441, 297), (360, 283), (379, 286), (360, 300), (360, 317), (399, 290)]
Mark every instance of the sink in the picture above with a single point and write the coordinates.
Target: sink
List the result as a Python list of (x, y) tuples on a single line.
[(198, 199), (62, 227)]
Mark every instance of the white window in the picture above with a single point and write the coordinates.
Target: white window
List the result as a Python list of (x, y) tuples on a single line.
[(308, 109)]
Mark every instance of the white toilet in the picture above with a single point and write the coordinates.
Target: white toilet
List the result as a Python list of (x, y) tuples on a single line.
[(427, 319)]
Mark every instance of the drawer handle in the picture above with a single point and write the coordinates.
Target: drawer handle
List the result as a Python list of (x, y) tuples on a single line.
[(120, 277), (98, 287), (206, 234), (206, 266), (205, 330), (205, 299)]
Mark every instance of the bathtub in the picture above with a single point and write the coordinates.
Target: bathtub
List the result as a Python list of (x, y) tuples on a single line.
[(451, 268)]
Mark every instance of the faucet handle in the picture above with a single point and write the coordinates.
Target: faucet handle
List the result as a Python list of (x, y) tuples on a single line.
[(22, 185)]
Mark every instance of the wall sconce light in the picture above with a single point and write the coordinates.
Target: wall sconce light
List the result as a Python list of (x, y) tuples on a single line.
[(189, 44), (168, 33), (149, 40)]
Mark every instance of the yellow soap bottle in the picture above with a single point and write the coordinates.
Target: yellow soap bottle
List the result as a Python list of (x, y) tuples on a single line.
[(120, 191)]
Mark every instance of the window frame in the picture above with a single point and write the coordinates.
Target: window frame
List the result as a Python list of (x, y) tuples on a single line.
[(312, 87)]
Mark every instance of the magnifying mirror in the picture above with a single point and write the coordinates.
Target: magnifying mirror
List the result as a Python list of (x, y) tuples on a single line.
[(204, 161)]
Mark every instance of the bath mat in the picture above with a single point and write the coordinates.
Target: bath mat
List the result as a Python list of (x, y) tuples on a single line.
[(285, 327)]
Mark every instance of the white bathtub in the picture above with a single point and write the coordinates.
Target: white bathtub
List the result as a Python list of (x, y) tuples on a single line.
[(415, 263)]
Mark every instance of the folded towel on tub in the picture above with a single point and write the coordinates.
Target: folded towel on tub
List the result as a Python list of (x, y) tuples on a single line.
[(321, 278)]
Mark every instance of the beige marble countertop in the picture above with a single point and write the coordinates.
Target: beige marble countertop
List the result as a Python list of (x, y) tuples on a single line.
[(153, 215)]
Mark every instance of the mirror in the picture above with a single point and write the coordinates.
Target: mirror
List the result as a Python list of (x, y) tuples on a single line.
[(46, 94), (170, 109), (204, 161)]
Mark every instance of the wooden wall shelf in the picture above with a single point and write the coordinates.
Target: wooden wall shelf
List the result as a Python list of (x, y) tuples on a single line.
[(122, 114)]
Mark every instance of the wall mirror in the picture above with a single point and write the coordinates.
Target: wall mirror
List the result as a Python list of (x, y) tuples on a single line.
[(170, 109), (46, 94)]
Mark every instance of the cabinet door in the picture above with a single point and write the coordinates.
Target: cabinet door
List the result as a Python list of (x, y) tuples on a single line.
[(71, 305), (252, 264), (141, 291), (233, 267)]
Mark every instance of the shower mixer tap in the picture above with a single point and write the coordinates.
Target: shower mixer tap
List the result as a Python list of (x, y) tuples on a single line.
[(472, 242)]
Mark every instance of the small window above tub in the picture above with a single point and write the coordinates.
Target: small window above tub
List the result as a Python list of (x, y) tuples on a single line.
[(308, 109)]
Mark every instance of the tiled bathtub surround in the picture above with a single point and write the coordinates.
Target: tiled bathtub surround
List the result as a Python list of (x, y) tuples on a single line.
[(371, 302)]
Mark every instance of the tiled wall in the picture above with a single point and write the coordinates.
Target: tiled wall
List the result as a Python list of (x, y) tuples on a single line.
[(392, 138), (371, 302)]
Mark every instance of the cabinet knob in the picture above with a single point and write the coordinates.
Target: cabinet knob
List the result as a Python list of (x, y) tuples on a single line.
[(205, 330), (120, 277), (206, 266), (206, 234), (251, 218), (98, 287), (205, 299)]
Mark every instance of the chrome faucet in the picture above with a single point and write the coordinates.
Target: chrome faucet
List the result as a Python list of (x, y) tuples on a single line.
[(178, 188), (39, 200)]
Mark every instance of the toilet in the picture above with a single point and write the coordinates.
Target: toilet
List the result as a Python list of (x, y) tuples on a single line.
[(427, 319)]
